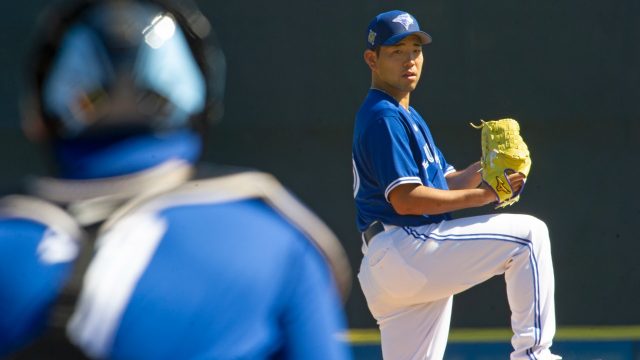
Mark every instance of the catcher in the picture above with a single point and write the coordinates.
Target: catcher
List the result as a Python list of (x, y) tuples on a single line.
[(416, 256)]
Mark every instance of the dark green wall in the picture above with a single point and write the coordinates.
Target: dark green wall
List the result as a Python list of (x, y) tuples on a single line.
[(566, 69)]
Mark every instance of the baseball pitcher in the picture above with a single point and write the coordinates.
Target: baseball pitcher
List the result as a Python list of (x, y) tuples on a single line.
[(416, 257)]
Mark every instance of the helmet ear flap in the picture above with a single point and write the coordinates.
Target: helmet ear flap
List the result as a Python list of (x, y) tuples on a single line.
[(208, 52), (51, 24)]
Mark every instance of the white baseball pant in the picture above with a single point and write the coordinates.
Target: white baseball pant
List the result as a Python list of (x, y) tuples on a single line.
[(410, 274)]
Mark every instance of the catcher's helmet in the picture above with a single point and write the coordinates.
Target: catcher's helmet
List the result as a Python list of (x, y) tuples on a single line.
[(113, 68)]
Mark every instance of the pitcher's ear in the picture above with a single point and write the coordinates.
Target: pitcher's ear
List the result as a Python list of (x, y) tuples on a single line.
[(371, 58)]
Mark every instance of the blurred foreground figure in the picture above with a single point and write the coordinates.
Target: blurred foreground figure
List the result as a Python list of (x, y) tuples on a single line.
[(130, 251)]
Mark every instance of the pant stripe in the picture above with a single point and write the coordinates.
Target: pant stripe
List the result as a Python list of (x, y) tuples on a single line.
[(499, 237), (532, 356)]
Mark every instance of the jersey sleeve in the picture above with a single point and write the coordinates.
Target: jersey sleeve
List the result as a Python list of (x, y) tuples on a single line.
[(446, 167), (387, 147), (35, 261), (313, 318)]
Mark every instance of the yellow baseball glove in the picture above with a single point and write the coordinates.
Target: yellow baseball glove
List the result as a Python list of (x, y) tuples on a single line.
[(503, 153)]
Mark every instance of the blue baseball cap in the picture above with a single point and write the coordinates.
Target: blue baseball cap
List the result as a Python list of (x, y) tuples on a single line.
[(390, 27)]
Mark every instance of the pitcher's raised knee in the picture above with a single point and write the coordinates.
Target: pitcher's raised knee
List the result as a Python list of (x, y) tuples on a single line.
[(538, 232)]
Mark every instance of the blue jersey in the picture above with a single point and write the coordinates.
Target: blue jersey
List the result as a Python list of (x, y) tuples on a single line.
[(392, 146), (230, 267), (37, 253), (211, 270)]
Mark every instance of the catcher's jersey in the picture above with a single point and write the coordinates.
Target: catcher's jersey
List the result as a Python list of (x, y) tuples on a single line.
[(392, 146), (232, 267), (36, 258)]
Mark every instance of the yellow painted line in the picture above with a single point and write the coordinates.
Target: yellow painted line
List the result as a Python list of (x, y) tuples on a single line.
[(363, 336), (599, 333), (575, 333)]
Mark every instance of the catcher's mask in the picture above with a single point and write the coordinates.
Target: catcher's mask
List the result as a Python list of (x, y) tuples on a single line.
[(113, 68)]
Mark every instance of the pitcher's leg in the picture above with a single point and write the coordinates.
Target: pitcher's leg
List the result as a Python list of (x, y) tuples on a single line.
[(458, 254), (409, 329), (418, 332), (532, 339)]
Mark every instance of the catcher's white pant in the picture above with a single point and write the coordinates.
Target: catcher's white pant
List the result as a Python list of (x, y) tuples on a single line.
[(410, 274)]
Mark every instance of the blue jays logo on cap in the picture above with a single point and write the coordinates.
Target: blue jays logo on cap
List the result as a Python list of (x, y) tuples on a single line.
[(405, 19), (390, 27)]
